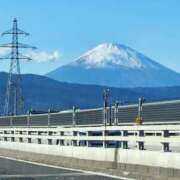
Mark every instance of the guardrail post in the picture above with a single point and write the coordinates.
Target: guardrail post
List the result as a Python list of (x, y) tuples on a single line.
[(74, 116), (118, 144), (105, 98), (110, 115), (141, 133), (78, 140), (104, 138), (12, 139), (139, 119), (87, 134), (140, 145), (125, 144), (116, 113), (28, 118), (49, 141), (125, 133), (39, 141), (74, 143), (105, 116), (29, 140), (165, 133), (165, 146), (49, 117)]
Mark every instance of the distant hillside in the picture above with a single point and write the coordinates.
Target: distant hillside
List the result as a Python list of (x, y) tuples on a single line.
[(41, 93), (116, 65)]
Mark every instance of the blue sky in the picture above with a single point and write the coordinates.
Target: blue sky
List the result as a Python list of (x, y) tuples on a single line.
[(67, 28)]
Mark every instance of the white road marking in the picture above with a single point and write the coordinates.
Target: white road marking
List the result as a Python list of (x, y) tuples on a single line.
[(71, 169), (44, 175)]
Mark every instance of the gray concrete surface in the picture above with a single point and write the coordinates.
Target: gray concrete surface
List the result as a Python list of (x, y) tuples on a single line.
[(11, 169), (121, 170)]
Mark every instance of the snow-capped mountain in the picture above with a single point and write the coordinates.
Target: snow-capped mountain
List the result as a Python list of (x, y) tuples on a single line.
[(116, 65), (113, 56)]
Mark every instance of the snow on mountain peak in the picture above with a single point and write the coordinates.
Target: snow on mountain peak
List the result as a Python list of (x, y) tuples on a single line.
[(110, 55)]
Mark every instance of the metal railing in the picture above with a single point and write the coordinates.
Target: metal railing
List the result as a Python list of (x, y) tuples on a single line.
[(160, 112)]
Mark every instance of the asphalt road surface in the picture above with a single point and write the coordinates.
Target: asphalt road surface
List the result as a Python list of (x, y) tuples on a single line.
[(16, 170)]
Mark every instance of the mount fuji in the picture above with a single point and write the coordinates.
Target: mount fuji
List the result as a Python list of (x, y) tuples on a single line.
[(116, 65)]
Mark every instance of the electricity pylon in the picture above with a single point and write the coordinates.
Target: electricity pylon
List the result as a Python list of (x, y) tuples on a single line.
[(14, 101)]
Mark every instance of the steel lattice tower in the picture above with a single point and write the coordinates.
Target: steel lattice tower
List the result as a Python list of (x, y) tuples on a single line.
[(14, 101)]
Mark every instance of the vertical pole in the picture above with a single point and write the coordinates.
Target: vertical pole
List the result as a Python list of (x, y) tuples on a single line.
[(110, 115), (74, 116), (139, 117), (116, 113), (104, 113), (105, 98), (139, 107), (49, 117), (28, 118)]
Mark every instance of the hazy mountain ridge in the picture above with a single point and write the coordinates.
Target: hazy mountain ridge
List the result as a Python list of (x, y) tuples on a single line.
[(42, 93)]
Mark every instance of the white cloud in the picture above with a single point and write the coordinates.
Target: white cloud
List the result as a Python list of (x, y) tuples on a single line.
[(37, 56), (4, 51), (43, 56)]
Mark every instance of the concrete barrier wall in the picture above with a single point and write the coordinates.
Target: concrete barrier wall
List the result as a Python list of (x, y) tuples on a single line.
[(124, 156)]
